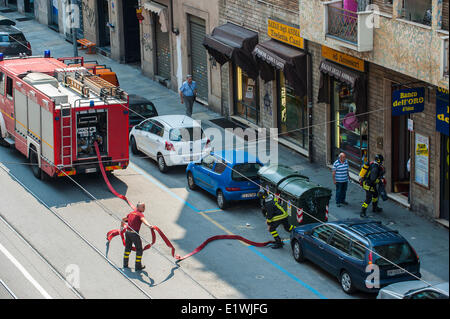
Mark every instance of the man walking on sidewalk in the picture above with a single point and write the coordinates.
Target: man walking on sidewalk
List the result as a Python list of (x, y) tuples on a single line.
[(340, 179), (188, 93)]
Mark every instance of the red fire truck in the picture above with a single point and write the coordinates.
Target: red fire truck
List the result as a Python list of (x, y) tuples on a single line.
[(53, 114)]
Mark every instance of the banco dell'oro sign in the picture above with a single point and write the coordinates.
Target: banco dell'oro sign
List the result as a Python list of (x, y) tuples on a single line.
[(284, 33), (408, 101)]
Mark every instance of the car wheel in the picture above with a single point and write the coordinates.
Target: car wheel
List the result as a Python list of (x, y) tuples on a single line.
[(346, 282), (162, 164), (191, 182), (297, 251), (221, 201), (134, 148)]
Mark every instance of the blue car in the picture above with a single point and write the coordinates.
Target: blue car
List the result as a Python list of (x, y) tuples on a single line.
[(228, 175), (345, 249)]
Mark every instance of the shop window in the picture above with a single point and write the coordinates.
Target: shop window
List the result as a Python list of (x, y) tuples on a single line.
[(349, 133), (246, 97), (417, 11), (292, 116)]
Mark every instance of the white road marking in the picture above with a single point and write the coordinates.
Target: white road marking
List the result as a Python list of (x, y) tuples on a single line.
[(25, 272)]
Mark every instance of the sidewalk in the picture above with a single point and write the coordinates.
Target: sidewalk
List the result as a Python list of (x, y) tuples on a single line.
[(429, 238)]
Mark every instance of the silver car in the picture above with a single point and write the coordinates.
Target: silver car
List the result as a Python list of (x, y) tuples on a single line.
[(414, 289)]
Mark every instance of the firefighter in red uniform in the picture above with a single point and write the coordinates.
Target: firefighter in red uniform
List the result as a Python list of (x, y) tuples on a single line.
[(134, 220)]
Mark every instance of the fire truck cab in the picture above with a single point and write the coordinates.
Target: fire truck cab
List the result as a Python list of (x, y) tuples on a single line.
[(53, 114)]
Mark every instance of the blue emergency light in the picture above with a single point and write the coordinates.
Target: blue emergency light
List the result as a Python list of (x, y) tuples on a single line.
[(46, 53), (1, 56), (91, 103)]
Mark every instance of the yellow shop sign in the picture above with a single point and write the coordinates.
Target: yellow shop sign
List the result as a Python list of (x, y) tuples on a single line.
[(284, 33), (343, 58)]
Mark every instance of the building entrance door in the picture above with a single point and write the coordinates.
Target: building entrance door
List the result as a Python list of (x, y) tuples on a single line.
[(445, 189), (131, 32)]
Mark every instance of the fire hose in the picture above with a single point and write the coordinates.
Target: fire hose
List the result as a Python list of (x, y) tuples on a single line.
[(120, 232)]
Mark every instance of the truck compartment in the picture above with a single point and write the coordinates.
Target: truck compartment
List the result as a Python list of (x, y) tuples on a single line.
[(91, 127)]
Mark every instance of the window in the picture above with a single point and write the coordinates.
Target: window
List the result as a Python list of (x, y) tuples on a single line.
[(428, 294), (186, 134), (4, 38), (157, 129), (397, 253), (147, 126), (417, 11), (220, 168), (208, 162), (9, 87), (358, 250), (2, 83), (243, 172), (322, 232), (340, 241)]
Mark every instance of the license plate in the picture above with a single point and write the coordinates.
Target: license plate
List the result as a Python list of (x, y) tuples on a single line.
[(395, 272), (91, 170), (248, 195)]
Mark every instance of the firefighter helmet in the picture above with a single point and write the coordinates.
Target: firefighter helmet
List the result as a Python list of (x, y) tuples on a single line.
[(379, 159)]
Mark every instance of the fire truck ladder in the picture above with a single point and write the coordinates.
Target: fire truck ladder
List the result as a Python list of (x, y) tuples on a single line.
[(66, 134)]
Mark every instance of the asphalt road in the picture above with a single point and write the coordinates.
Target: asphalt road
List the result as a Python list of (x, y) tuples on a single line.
[(68, 227)]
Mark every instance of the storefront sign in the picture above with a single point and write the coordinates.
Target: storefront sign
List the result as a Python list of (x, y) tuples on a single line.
[(343, 58), (408, 101), (442, 111), (421, 162), (284, 33)]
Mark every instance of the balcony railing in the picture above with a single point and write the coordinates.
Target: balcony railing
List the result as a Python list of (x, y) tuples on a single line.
[(343, 24), (353, 30)]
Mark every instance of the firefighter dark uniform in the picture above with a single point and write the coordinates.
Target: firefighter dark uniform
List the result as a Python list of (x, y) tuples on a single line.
[(132, 238), (275, 216), (370, 181)]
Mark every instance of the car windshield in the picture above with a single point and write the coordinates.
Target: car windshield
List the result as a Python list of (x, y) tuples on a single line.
[(397, 253), (142, 111), (242, 172), (184, 134)]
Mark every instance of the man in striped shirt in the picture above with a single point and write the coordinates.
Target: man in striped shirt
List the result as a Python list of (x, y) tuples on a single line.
[(340, 179)]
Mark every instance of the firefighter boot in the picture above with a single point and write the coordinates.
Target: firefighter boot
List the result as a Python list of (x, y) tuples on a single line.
[(278, 243), (375, 207), (139, 265), (126, 256), (363, 212)]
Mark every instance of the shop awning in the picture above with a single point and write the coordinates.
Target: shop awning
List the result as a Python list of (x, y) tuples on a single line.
[(271, 55), (355, 79), (230, 42), (161, 11)]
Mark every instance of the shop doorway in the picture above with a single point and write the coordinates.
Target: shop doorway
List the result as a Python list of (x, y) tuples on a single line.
[(198, 57), (292, 113), (445, 189), (246, 102), (29, 8), (53, 21), (162, 42), (104, 37), (401, 146), (131, 32)]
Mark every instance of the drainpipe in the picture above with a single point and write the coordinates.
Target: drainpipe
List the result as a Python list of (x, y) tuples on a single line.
[(174, 30), (310, 98)]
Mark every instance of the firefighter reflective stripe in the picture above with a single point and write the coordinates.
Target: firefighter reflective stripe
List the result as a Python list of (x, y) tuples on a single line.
[(374, 199), (365, 205), (274, 233), (138, 259), (278, 217)]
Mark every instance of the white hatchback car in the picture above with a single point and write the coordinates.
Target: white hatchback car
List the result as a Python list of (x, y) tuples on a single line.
[(170, 140)]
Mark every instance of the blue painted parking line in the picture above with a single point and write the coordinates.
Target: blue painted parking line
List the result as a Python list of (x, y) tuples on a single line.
[(252, 248)]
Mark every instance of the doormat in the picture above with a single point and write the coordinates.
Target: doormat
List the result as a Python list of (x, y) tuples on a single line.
[(24, 19)]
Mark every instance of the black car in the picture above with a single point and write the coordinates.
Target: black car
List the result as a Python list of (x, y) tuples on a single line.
[(140, 109), (13, 41)]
